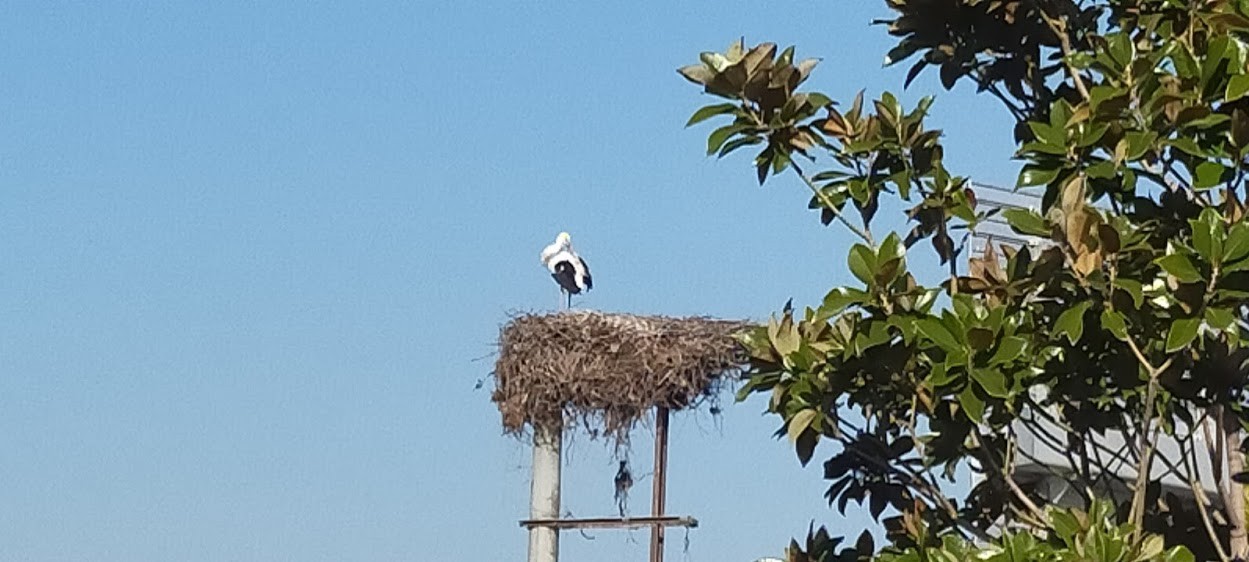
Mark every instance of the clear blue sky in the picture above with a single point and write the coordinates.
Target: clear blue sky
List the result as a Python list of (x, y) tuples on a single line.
[(254, 257)]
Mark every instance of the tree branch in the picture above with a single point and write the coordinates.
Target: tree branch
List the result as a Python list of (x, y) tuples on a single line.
[(828, 204), (1059, 27)]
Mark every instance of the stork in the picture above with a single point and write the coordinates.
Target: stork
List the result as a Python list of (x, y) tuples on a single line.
[(566, 267)]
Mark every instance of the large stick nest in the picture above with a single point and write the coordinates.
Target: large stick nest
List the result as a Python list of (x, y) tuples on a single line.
[(606, 371)]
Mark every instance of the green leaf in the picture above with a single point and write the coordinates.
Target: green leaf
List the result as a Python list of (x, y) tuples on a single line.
[(1178, 554), (1220, 318), (971, 404), (1101, 170), (1179, 266), (993, 382), (1133, 288), (1010, 349), (1208, 235), (1237, 245), (1114, 323), (1182, 333), (862, 263), (738, 143), (1187, 145), (784, 336), (1138, 143), (1071, 322), (1208, 174), (1151, 547), (800, 422), (710, 111), (1034, 175), (891, 248), (840, 299), (937, 332), (1237, 87), (1025, 221), (1066, 526), (718, 137), (941, 375)]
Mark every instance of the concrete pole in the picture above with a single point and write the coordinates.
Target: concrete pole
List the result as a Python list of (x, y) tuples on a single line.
[(659, 482), (544, 486), (544, 494)]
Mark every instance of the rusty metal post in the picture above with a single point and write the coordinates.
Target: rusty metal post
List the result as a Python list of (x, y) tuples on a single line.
[(660, 482)]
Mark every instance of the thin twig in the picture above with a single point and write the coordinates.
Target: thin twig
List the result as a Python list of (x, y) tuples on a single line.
[(1009, 479), (828, 203), (1064, 41), (1199, 494)]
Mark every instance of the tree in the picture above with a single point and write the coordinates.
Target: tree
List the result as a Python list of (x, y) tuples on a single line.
[(1133, 125)]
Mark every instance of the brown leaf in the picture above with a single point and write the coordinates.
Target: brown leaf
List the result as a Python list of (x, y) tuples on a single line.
[(835, 124), (992, 267), (1088, 262), (759, 57), (1240, 128), (1109, 238)]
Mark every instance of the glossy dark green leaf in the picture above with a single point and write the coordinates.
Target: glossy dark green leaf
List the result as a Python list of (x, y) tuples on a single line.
[(992, 381), (938, 333), (862, 262), (1138, 143), (1114, 323), (1220, 318), (1208, 235), (718, 137), (738, 143), (1237, 88), (710, 111), (1133, 288), (1187, 145), (1025, 221), (1071, 322), (1237, 245), (1208, 174), (941, 376), (1033, 175), (1048, 134), (840, 299), (972, 404), (1101, 170), (1183, 331), (1010, 349), (1179, 266)]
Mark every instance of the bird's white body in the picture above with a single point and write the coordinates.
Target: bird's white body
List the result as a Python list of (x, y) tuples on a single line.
[(567, 268)]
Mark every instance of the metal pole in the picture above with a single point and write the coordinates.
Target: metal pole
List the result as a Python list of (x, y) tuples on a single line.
[(660, 482), (544, 494)]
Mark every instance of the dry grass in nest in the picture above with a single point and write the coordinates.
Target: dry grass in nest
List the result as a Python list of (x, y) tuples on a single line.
[(606, 371)]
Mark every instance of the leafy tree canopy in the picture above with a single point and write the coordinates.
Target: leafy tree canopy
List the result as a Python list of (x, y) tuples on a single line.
[(1127, 317)]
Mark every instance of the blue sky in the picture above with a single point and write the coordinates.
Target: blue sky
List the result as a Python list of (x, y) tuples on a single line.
[(254, 258)]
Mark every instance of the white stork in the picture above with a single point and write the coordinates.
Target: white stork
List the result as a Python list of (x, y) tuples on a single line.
[(567, 268)]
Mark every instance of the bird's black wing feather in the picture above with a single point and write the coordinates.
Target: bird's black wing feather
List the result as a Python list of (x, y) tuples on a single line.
[(589, 281), (566, 276)]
